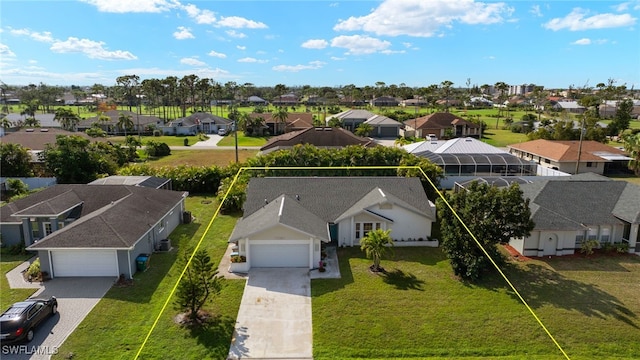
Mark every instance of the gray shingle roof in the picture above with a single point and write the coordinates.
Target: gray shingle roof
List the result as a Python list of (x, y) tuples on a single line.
[(576, 203), (113, 216), (329, 197)]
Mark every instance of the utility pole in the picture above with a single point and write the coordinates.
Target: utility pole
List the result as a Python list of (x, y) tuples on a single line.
[(580, 144)]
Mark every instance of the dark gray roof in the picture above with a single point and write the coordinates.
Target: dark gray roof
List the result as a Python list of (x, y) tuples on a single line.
[(576, 203), (284, 210), (329, 197), (143, 180), (112, 216)]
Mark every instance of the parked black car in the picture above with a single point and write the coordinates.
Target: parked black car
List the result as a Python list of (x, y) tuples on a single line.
[(20, 320)]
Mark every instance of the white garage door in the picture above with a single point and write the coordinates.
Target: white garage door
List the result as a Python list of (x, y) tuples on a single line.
[(279, 255), (84, 263)]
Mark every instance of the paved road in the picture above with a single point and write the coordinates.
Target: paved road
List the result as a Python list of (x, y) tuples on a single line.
[(76, 298), (274, 320)]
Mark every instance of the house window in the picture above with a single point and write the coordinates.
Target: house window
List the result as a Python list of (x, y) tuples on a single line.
[(35, 229), (589, 164), (163, 223), (362, 229), (593, 234), (579, 239), (47, 229), (605, 236)]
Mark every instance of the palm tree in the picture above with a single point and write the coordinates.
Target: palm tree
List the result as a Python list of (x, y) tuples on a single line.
[(280, 116), (364, 129), (375, 244), (502, 87), (446, 90), (5, 123), (125, 122), (67, 118), (31, 122), (632, 146)]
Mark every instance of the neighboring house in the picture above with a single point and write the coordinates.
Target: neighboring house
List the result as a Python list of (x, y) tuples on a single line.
[(109, 122), (442, 125), (463, 159), (384, 101), (285, 100), (414, 102), (326, 137), (479, 101), (578, 208), (256, 100), (563, 155), (287, 219), (294, 122), (569, 106), (196, 123), (90, 230), (382, 126), (45, 120), (36, 139), (146, 181)]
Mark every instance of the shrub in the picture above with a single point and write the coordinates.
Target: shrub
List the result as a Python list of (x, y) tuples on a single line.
[(186, 141), (622, 248), (34, 269), (157, 133), (607, 247), (587, 246), (238, 259)]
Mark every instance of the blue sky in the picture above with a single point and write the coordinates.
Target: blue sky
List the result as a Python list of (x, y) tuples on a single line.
[(322, 43)]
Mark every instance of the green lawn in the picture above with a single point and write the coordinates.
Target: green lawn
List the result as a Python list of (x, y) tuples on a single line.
[(190, 157), (243, 140), (170, 140), (502, 138), (9, 296), (418, 310), (117, 326)]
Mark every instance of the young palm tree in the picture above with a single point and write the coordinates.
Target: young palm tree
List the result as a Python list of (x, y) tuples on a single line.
[(375, 245), (280, 116), (125, 122), (67, 118), (364, 129)]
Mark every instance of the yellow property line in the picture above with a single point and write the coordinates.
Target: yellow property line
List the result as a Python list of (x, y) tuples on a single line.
[(266, 168)]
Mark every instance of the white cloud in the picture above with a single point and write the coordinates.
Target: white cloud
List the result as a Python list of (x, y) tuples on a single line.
[(192, 61), (183, 33), (313, 65), (5, 51), (315, 44), (535, 10), (200, 16), (252, 60), (217, 54), (240, 47), (578, 19), (583, 41), (92, 49), (128, 6), (390, 52), (237, 22), (421, 18), (235, 34), (335, 58), (358, 44), (44, 36)]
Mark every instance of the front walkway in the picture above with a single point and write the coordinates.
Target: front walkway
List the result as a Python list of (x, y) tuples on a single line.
[(274, 320)]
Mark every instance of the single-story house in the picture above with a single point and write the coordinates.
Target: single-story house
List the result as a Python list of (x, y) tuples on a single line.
[(569, 210), (195, 123), (322, 137), (442, 125), (36, 139), (295, 121), (382, 126), (564, 154), (286, 220), (89, 230), (44, 120), (384, 101), (256, 100), (569, 106), (108, 122), (285, 100)]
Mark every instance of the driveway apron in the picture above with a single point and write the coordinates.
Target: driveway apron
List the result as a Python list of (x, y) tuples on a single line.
[(76, 298), (274, 320)]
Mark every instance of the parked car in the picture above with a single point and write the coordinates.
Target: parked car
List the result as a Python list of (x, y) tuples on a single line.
[(222, 132), (19, 322)]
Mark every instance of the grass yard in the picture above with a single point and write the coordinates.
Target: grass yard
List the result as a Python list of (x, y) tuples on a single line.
[(170, 140), (216, 157), (9, 296), (243, 140), (418, 310), (117, 326), (502, 138)]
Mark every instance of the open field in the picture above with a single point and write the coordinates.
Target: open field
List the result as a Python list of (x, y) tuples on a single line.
[(218, 157), (170, 140), (243, 140), (418, 310)]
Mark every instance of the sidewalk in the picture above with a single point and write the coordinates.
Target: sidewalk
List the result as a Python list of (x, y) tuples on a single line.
[(16, 280)]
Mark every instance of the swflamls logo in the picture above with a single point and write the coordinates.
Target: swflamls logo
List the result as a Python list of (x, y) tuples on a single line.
[(29, 350)]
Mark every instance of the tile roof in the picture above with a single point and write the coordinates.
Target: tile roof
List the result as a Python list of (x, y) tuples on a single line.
[(320, 137), (111, 216), (567, 150), (114, 116), (296, 120), (439, 120), (40, 137), (201, 117)]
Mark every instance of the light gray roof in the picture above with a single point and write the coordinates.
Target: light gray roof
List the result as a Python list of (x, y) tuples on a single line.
[(464, 145), (354, 114), (46, 120), (380, 120), (574, 203), (329, 197), (284, 210)]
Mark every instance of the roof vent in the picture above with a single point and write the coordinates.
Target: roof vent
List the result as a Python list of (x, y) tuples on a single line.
[(44, 130), (28, 130), (297, 197), (266, 201)]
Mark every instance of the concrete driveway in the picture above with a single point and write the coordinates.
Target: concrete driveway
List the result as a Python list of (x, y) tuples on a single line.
[(274, 320), (76, 298)]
